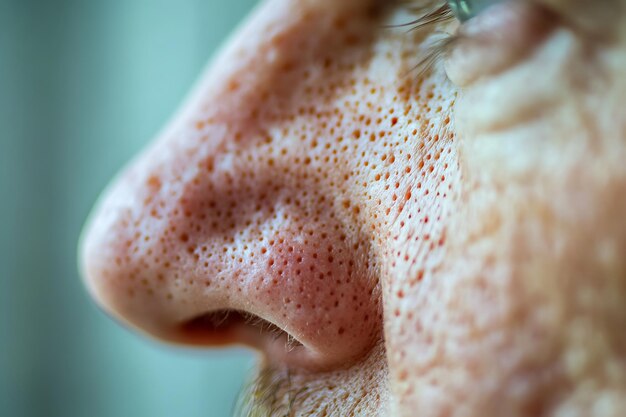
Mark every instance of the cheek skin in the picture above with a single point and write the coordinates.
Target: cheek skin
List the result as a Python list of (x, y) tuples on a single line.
[(526, 317)]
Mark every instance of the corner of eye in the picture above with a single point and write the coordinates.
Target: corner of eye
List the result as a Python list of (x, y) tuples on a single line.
[(495, 41), (456, 74), (463, 65)]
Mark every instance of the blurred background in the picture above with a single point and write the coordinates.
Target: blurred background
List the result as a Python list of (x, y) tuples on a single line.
[(83, 86)]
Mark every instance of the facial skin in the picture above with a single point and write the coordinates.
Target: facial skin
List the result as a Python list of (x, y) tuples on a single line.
[(446, 243)]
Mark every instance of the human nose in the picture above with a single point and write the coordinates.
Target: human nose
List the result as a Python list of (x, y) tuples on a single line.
[(211, 238)]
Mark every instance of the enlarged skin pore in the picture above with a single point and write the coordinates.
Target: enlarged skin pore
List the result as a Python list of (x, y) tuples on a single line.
[(397, 243)]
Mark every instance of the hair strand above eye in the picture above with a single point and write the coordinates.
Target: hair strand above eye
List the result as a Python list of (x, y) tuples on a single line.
[(428, 16)]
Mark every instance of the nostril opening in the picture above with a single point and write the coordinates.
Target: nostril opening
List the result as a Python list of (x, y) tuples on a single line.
[(226, 327), (209, 324)]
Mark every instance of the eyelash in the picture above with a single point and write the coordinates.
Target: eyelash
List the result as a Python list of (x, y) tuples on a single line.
[(429, 14)]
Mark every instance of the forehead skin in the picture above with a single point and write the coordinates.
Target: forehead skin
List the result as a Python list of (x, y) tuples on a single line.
[(434, 249)]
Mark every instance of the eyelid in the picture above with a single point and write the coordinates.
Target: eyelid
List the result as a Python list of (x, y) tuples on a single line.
[(434, 14), (497, 40)]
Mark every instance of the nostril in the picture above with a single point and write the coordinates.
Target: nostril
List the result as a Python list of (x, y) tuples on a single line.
[(213, 328), (226, 327)]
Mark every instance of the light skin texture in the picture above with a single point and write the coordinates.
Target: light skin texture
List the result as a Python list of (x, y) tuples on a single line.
[(447, 243)]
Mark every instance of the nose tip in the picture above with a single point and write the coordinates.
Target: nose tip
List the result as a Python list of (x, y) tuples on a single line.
[(170, 256), (109, 245)]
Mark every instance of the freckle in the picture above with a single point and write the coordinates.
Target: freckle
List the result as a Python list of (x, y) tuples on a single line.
[(154, 182)]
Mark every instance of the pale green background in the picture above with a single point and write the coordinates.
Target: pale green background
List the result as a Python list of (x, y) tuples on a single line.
[(84, 85)]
